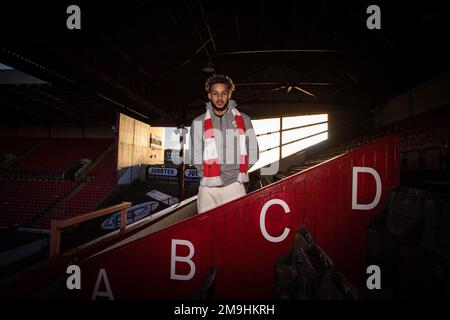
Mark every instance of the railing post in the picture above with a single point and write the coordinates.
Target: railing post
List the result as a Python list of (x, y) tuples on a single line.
[(55, 238), (58, 225), (123, 220)]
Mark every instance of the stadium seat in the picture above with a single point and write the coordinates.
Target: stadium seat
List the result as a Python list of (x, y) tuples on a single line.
[(436, 233), (21, 200), (306, 272), (44, 159), (102, 182), (401, 224)]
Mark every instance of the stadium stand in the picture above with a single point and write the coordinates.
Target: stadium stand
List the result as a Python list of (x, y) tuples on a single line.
[(13, 149), (424, 143), (307, 273), (412, 244), (18, 145), (26, 198), (20, 200), (102, 180), (423, 270), (410, 240), (45, 159), (399, 225)]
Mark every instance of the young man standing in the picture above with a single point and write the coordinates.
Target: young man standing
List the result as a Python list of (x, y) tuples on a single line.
[(223, 146)]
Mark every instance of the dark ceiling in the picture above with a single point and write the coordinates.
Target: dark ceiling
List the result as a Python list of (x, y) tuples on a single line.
[(145, 58)]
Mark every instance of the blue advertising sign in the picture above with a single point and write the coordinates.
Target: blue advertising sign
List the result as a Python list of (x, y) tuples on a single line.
[(159, 171), (191, 173), (135, 213)]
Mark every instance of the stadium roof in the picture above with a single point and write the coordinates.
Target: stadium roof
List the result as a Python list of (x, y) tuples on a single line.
[(150, 59)]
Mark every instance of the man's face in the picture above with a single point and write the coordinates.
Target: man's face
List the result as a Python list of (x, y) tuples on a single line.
[(219, 96)]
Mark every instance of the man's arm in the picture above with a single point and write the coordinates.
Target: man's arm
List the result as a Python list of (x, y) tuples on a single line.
[(253, 149), (196, 145)]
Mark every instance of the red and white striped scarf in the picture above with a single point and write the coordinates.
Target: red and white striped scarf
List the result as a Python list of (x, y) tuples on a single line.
[(211, 165)]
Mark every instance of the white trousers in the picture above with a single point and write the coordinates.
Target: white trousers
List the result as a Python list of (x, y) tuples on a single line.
[(211, 197)]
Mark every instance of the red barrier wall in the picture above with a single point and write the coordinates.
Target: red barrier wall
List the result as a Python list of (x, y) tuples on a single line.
[(231, 237)]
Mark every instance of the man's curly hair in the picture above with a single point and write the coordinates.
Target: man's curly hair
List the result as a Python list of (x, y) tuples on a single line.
[(219, 78)]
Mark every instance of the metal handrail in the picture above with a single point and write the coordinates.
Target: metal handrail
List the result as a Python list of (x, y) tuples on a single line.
[(57, 225)]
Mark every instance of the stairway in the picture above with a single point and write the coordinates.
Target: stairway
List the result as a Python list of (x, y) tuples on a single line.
[(335, 200)]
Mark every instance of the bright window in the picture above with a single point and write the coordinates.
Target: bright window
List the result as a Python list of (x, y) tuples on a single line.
[(297, 134), (297, 146), (300, 121), (266, 158), (268, 141), (266, 125)]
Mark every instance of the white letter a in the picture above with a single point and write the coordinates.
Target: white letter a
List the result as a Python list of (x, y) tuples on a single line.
[(374, 21), (73, 21), (74, 281), (374, 281)]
